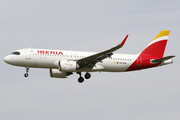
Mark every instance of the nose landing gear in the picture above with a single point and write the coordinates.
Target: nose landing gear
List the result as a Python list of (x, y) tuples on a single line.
[(26, 74)]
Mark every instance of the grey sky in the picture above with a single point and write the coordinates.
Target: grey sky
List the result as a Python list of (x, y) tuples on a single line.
[(95, 25)]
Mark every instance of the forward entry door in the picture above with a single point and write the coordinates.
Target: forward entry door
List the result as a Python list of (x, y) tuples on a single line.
[(28, 54)]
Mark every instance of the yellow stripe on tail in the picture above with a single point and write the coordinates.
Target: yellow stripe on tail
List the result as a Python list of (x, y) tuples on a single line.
[(162, 33)]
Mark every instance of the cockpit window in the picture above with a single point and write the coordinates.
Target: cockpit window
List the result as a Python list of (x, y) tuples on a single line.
[(15, 53)]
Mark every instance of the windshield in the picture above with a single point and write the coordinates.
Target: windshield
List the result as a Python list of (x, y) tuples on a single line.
[(15, 53)]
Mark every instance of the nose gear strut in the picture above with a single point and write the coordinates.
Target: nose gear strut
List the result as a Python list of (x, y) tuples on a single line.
[(26, 74)]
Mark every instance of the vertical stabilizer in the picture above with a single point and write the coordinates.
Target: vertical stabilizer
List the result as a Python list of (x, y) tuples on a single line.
[(158, 44)]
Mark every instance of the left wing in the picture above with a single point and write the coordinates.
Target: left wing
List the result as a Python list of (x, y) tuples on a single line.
[(90, 61)]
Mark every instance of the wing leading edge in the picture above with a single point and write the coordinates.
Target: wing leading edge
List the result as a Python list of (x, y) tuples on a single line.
[(90, 61)]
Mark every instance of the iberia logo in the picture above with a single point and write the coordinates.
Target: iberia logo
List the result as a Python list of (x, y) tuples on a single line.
[(49, 52)]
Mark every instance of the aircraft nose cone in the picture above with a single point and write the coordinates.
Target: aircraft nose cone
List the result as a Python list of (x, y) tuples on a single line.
[(7, 59)]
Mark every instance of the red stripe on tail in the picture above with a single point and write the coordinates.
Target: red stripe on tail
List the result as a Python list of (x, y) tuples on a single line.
[(156, 49)]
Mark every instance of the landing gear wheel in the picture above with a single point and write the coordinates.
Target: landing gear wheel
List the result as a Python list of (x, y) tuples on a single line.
[(26, 75), (87, 75), (81, 79)]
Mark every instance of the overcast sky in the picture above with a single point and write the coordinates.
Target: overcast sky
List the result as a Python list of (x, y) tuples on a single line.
[(94, 25)]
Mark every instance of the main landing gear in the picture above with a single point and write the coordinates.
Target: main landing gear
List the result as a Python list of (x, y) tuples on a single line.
[(87, 75), (26, 74), (81, 79)]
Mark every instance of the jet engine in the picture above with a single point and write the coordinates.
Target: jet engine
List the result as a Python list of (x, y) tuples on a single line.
[(55, 73), (67, 66)]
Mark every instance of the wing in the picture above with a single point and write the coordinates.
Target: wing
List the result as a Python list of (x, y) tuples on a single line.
[(90, 61)]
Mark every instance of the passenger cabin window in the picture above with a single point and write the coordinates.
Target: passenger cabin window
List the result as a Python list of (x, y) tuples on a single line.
[(15, 53)]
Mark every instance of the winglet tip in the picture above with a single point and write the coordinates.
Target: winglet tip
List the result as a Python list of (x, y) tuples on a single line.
[(123, 42)]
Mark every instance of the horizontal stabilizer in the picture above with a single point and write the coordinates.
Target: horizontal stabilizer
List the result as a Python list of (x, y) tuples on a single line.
[(161, 59)]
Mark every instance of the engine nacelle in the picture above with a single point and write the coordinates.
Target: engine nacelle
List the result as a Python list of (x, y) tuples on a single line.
[(67, 66), (55, 73)]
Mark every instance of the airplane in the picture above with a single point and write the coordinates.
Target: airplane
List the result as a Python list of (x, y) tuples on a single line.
[(62, 63)]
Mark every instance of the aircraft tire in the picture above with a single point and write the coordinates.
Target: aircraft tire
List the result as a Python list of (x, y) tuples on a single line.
[(26, 75), (81, 79), (87, 75)]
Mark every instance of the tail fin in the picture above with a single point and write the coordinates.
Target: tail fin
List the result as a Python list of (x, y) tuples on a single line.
[(158, 44)]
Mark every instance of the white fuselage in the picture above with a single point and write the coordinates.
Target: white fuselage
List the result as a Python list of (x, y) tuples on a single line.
[(43, 58)]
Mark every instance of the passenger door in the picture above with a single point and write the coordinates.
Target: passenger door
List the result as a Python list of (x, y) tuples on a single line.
[(28, 54)]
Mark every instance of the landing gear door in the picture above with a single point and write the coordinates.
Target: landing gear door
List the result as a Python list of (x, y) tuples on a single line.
[(28, 54)]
